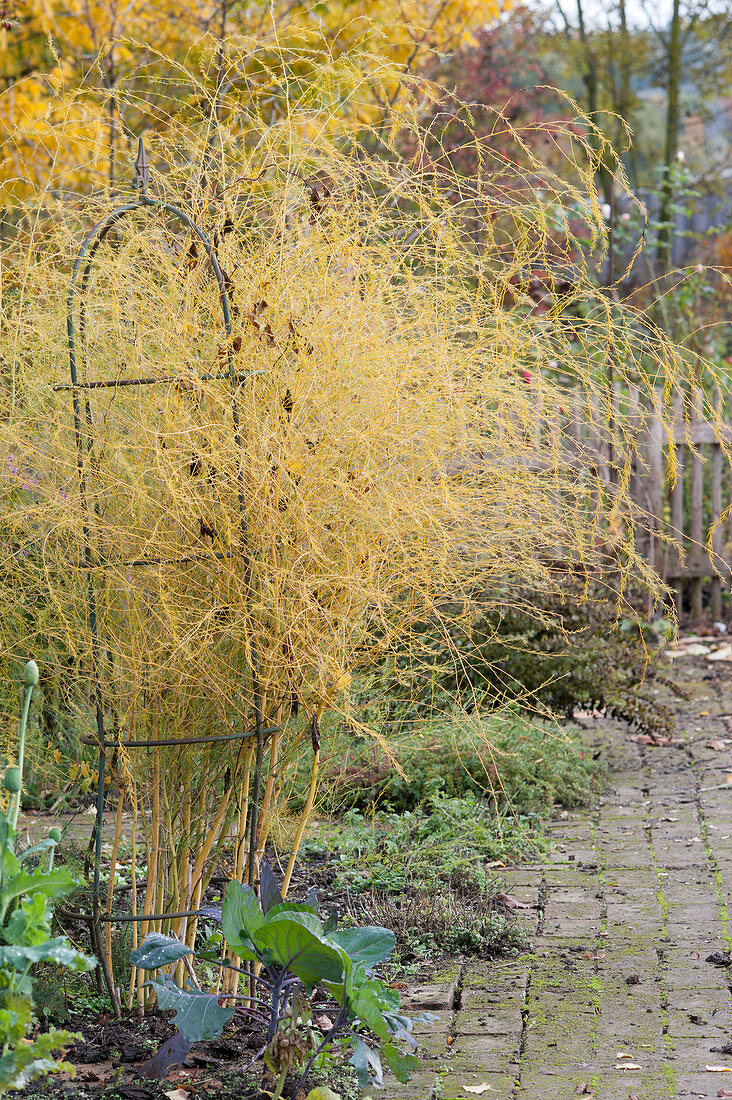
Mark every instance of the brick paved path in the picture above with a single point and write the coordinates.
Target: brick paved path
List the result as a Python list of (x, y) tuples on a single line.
[(633, 898)]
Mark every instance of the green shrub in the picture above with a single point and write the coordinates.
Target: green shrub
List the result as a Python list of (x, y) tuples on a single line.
[(527, 766), (548, 653), (574, 654), (453, 842)]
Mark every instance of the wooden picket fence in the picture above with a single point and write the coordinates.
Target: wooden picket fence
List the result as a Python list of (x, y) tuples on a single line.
[(699, 573)]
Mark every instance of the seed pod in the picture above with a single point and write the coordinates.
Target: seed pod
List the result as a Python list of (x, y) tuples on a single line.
[(13, 780)]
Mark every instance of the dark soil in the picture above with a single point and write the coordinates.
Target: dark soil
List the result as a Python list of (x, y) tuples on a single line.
[(111, 1054)]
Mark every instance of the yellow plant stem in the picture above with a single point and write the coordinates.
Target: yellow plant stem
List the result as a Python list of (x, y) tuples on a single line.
[(133, 896), (241, 836), (263, 823), (173, 840), (197, 877), (307, 808), (153, 871), (192, 925), (112, 877), (180, 926), (145, 909), (152, 837), (230, 978)]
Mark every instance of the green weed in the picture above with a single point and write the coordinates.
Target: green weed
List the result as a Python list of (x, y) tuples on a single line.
[(448, 842)]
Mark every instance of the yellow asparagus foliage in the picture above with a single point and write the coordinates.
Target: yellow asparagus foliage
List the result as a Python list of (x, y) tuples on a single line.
[(395, 438)]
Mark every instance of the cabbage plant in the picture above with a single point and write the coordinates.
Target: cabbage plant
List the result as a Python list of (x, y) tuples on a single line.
[(290, 952)]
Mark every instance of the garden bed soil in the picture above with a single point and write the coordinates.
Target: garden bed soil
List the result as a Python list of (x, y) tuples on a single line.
[(109, 1059)]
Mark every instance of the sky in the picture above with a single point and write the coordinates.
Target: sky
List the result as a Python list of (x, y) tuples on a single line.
[(639, 12)]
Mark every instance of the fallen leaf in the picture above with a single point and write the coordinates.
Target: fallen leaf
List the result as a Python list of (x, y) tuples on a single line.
[(479, 1089), (93, 1073), (511, 903), (623, 1054), (581, 1089), (628, 1065), (724, 1092), (646, 739), (324, 1023), (173, 1052), (719, 1069), (717, 746), (177, 1094), (703, 713)]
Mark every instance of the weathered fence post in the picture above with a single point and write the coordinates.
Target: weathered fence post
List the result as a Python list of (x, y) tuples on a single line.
[(697, 507)]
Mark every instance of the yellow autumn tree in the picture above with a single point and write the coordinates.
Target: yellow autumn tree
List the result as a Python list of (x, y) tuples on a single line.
[(68, 72)]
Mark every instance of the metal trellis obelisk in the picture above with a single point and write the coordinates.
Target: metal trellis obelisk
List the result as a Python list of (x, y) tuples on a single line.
[(83, 430)]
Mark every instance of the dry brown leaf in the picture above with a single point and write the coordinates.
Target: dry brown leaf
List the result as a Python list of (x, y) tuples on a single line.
[(581, 1089), (511, 903), (479, 1089), (716, 745), (177, 1094), (628, 1065), (95, 1073), (719, 1069), (724, 1092)]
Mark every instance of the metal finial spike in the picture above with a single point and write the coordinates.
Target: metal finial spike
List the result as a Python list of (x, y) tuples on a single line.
[(142, 167)]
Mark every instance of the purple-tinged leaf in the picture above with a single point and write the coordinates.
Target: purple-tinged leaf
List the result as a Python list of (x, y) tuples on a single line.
[(211, 912), (173, 1052), (269, 891)]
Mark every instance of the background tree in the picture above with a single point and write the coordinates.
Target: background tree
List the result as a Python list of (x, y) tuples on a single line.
[(652, 75), (69, 62)]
